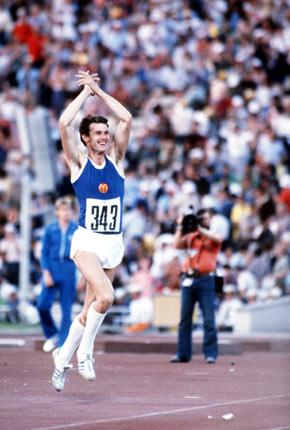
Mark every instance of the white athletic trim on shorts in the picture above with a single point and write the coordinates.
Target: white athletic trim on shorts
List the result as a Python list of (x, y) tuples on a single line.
[(109, 248)]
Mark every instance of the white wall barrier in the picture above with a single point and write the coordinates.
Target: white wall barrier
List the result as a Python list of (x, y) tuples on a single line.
[(272, 317)]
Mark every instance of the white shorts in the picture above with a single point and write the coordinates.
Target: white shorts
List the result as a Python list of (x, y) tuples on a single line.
[(109, 248)]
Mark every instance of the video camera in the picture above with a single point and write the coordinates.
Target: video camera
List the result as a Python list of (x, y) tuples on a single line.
[(190, 222)]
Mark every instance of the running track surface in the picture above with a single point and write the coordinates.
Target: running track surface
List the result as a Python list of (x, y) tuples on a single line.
[(144, 391)]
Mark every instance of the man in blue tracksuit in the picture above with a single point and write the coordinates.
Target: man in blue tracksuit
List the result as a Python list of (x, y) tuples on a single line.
[(58, 274)]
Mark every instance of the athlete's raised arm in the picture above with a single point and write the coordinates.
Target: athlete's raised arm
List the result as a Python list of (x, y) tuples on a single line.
[(69, 141), (121, 135)]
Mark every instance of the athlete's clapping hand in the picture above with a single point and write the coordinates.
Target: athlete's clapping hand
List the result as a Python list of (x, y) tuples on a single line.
[(88, 81)]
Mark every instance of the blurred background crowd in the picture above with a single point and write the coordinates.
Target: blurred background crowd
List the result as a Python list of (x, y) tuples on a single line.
[(208, 85)]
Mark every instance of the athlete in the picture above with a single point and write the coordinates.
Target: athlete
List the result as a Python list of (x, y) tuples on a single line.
[(97, 245)]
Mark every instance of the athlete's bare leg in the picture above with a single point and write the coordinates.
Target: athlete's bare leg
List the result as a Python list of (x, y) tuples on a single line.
[(90, 295), (100, 291), (89, 298), (99, 298)]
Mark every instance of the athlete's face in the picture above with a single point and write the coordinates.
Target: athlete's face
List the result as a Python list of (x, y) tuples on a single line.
[(99, 137)]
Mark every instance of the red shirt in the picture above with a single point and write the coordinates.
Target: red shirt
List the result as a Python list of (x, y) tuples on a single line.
[(284, 197), (207, 250), (35, 45), (22, 31)]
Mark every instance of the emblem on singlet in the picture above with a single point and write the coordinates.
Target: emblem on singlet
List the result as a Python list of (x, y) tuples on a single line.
[(103, 187)]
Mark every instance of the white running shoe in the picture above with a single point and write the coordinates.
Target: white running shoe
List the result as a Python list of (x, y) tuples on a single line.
[(60, 373), (50, 344), (86, 369), (58, 379)]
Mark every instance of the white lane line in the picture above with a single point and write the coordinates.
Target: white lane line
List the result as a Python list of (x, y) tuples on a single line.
[(192, 397), (156, 414), (279, 428), (12, 342)]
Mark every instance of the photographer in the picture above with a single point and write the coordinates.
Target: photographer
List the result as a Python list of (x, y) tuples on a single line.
[(202, 245)]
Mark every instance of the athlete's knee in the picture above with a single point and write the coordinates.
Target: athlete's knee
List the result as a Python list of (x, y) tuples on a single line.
[(105, 301)]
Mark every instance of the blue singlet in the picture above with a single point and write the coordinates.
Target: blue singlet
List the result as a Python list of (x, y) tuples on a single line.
[(100, 192)]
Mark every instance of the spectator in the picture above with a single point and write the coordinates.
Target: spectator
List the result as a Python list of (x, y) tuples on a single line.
[(143, 277), (136, 220), (59, 275), (198, 285), (9, 298), (281, 265), (11, 252), (140, 310), (246, 281), (227, 311)]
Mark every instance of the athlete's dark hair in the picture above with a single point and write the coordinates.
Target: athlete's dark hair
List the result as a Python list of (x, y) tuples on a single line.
[(84, 127)]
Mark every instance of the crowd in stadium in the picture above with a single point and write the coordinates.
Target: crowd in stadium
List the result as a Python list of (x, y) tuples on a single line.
[(208, 85)]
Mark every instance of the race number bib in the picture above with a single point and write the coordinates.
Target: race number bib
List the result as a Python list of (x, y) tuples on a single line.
[(103, 216)]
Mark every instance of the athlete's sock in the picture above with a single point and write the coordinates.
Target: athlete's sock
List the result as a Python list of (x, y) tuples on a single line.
[(71, 343), (94, 321)]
